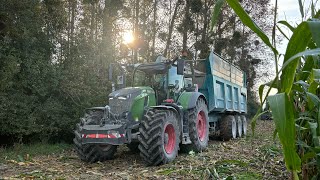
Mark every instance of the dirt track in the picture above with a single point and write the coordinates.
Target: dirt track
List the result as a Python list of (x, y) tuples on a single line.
[(255, 157)]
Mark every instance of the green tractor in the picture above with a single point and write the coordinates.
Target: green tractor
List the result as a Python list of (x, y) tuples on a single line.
[(167, 108)]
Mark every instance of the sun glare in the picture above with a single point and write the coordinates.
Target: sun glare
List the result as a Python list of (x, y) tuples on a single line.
[(127, 37)]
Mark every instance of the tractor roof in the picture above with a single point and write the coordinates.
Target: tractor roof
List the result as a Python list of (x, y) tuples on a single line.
[(154, 68)]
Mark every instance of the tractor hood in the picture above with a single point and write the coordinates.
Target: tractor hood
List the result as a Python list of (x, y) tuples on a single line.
[(126, 92), (120, 101)]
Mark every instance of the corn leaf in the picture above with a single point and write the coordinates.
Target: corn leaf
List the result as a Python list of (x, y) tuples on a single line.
[(261, 88), (305, 53), (315, 30), (283, 115), (298, 43), (216, 12), (301, 8), (286, 24)]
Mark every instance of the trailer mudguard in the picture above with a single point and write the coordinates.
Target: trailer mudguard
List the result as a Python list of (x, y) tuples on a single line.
[(188, 100)]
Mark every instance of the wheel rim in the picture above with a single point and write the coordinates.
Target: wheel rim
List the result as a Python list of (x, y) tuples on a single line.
[(234, 128), (244, 124), (239, 126), (201, 126), (169, 139)]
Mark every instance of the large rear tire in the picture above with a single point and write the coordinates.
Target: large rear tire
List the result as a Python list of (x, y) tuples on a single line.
[(159, 137), (93, 152), (228, 128), (198, 128)]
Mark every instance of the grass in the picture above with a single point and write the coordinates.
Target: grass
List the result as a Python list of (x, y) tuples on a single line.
[(21, 153)]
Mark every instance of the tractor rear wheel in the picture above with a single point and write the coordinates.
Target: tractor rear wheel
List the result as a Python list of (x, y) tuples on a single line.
[(228, 128), (93, 152), (244, 125), (239, 126), (198, 128), (159, 137)]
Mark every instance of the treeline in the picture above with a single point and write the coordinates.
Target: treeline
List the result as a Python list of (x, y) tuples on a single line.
[(54, 54)]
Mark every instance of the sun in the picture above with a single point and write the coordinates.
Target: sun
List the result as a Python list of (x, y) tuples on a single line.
[(127, 38)]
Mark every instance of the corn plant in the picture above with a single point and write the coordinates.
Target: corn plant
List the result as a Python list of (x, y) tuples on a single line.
[(296, 106)]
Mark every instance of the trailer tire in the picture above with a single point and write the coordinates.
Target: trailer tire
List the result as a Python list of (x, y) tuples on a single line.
[(159, 137), (198, 128), (244, 125), (92, 153), (239, 126), (228, 128)]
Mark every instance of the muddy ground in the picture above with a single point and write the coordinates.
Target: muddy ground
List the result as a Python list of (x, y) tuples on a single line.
[(253, 157)]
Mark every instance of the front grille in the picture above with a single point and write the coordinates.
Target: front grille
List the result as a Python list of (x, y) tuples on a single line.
[(118, 106)]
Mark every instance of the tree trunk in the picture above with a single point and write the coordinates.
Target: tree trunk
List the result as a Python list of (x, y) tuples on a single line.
[(136, 32), (171, 27), (185, 24), (107, 36), (154, 27)]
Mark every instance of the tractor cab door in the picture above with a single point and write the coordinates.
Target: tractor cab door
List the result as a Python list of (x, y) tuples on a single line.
[(175, 83)]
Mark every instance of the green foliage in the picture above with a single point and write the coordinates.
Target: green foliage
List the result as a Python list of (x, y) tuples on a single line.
[(22, 153), (295, 108), (44, 88)]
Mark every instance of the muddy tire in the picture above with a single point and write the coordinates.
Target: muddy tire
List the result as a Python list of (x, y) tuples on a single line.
[(198, 127), (244, 125), (92, 153), (239, 126), (228, 128), (159, 137)]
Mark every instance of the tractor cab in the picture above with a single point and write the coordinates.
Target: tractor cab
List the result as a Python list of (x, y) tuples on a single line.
[(162, 77)]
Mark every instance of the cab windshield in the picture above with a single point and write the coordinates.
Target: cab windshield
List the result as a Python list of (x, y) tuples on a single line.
[(150, 74), (175, 80)]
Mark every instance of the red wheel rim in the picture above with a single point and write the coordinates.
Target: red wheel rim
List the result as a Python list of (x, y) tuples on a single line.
[(169, 139), (201, 125)]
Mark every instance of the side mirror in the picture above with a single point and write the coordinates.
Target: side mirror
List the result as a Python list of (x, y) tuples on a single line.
[(180, 66), (110, 72)]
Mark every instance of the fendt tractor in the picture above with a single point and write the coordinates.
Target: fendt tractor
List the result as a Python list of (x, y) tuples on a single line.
[(171, 106)]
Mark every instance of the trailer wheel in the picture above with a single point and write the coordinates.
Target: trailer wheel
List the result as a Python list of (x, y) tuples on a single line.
[(228, 128), (244, 125), (199, 128), (239, 126), (92, 152), (159, 137)]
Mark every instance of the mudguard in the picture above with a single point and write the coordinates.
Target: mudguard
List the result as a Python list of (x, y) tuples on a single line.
[(177, 109), (173, 107), (188, 100)]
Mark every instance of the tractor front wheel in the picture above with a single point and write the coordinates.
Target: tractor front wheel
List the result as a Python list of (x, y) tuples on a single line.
[(159, 137), (93, 152)]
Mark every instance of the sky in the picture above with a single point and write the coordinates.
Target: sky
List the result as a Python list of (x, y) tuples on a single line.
[(289, 10)]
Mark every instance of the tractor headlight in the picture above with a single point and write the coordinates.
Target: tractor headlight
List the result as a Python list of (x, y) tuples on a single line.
[(122, 98)]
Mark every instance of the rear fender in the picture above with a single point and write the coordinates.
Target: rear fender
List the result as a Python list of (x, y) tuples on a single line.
[(188, 100)]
